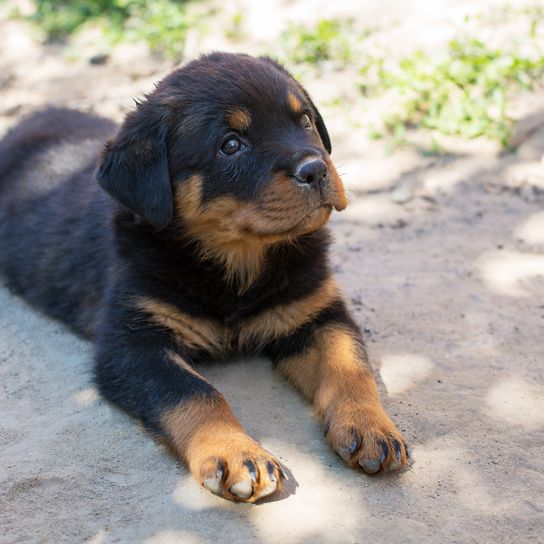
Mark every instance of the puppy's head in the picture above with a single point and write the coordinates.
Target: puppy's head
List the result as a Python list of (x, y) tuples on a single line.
[(229, 149)]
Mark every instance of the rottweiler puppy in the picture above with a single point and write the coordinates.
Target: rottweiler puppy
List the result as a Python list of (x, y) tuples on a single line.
[(197, 233)]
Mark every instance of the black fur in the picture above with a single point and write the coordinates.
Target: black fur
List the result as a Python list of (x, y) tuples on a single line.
[(83, 257)]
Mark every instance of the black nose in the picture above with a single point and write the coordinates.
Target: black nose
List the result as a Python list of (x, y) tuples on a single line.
[(312, 171)]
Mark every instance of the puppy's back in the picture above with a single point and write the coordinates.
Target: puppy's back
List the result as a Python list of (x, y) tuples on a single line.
[(47, 148), (54, 238)]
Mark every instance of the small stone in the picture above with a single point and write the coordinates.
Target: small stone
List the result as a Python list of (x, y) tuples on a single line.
[(99, 59), (402, 194)]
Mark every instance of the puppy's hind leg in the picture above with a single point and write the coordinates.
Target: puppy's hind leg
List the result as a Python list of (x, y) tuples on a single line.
[(150, 376)]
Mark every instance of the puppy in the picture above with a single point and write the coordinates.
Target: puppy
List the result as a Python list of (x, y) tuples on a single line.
[(197, 234)]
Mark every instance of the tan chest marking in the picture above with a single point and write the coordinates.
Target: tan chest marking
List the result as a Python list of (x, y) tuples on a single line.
[(217, 339), (193, 332), (283, 319)]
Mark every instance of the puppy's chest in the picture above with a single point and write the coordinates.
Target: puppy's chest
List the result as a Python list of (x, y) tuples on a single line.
[(246, 327), (223, 330)]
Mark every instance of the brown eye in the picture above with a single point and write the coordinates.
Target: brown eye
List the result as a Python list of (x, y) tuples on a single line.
[(306, 122), (231, 145)]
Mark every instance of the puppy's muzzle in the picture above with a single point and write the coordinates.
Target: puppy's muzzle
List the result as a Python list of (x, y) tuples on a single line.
[(313, 172)]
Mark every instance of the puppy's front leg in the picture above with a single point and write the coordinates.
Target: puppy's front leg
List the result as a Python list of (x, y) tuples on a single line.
[(327, 362), (146, 373)]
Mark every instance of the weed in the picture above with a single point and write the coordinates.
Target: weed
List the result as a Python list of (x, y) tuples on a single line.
[(163, 24), (463, 91), (329, 40)]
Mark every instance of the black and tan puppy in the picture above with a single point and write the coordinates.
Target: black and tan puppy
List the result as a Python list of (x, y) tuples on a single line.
[(197, 234)]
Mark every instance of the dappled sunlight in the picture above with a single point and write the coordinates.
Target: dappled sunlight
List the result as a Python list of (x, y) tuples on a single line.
[(445, 468), (325, 504), (509, 273), (517, 402), (326, 495), (373, 210), (402, 372), (445, 178), (98, 538), (86, 397), (194, 497), (532, 229), (174, 536)]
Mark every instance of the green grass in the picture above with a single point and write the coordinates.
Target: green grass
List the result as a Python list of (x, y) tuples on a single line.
[(163, 24), (329, 40), (462, 91)]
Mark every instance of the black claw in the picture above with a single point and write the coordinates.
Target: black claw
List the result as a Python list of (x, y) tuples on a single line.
[(271, 471), (398, 453), (220, 470), (252, 470), (385, 449), (326, 429), (347, 451), (356, 441), (407, 450), (283, 474)]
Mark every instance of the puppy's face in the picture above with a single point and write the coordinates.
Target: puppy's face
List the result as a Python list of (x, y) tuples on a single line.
[(231, 150)]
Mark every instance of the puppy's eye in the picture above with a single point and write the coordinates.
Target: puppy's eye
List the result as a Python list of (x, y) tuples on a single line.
[(231, 145), (306, 121)]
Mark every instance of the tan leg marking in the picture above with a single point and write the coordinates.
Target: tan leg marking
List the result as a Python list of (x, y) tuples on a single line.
[(286, 318), (338, 381), (195, 333), (219, 454)]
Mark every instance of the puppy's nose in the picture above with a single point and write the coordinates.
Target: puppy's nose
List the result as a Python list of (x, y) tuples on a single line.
[(311, 171)]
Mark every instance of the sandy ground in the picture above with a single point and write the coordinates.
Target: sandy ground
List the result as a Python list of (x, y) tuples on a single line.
[(442, 261)]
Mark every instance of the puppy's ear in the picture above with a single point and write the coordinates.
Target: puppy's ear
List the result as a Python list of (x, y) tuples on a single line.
[(134, 168), (320, 124), (321, 128)]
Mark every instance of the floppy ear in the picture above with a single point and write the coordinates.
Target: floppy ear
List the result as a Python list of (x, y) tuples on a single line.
[(134, 168), (320, 124), (322, 129)]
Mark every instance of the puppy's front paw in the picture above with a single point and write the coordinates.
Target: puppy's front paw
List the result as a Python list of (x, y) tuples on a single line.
[(364, 436), (236, 468)]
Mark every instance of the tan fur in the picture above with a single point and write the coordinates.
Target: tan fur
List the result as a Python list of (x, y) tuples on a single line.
[(239, 233), (206, 435), (341, 386), (239, 120), (294, 103), (331, 365), (182, 363), (215, 338), (193, 332), (286, 211), (338, 195), (219, 228), (285, 318)]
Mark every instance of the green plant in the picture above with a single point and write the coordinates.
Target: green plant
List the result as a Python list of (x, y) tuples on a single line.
[(462, 91), (163, 24), (59, 19), (328, 40)]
